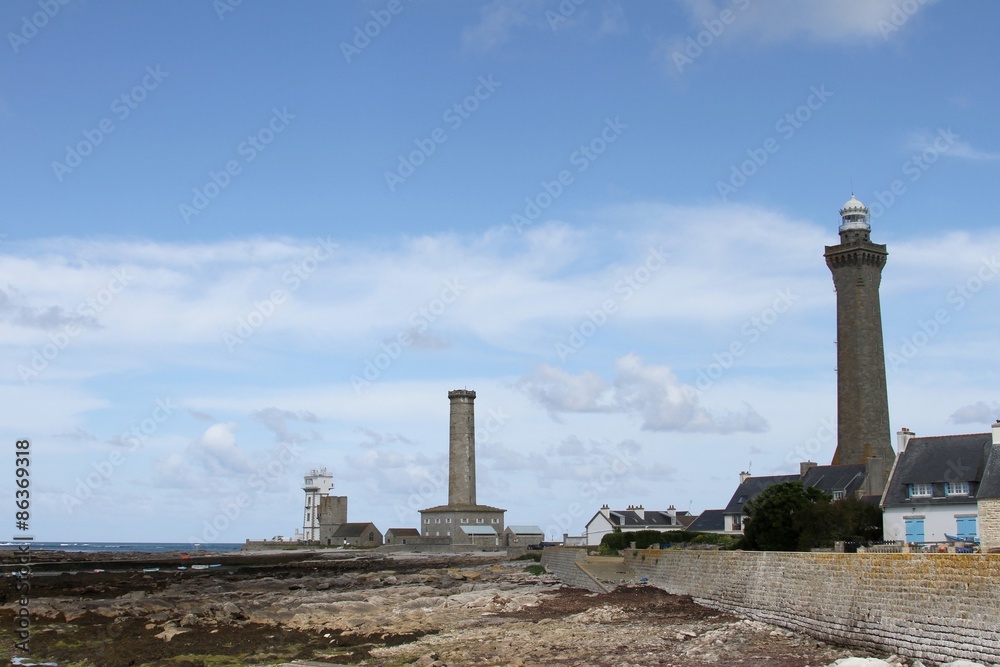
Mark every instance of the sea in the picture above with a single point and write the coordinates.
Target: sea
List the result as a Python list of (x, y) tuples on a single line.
[(121, 547)]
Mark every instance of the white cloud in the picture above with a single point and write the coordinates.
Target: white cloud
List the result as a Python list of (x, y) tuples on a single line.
[(946, 143), (651, 392), (978, 413), (496, 22)]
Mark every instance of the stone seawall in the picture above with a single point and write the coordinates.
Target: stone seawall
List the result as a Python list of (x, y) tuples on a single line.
[(564, 562), (938, 607)]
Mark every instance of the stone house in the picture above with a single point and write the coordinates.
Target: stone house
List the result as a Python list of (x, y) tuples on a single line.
[(522, 536), (357, 535), (633, 519), (401, 535), (943, 486)]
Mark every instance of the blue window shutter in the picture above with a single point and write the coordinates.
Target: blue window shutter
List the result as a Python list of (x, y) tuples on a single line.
[(966, 526), (914, 531)]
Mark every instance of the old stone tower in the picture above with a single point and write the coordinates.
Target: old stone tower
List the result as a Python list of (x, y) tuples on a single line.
[(462, 448), (463, 520), (862, 402)]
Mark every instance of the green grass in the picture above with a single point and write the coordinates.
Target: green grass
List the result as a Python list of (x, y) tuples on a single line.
[(535, 569)]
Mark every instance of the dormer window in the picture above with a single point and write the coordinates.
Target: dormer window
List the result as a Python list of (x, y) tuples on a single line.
[(838, 495), (956, 488), (920, 491)]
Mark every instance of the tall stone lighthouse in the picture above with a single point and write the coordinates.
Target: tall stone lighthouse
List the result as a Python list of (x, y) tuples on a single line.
[(463, 520), (862, 402)]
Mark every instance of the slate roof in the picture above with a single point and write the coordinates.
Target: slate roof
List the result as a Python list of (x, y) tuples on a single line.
[(940, 459), (352, 529), (403, 532), (526, 530), (990, 486), (846, 478), (709, 520), (651, 518), (463, 508), (751, 487)]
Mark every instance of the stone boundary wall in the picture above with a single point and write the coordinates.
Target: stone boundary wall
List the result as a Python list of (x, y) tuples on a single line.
[(938, 607), (564, 562)]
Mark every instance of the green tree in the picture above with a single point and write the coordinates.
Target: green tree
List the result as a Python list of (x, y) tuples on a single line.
[(786, 517)]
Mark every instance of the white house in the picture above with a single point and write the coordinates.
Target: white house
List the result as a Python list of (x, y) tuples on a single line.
[(937, 484), (635, 518)]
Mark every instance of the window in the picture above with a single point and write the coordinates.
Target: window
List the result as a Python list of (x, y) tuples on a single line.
[(495, 521), (427, 520), (465, 520), (956, 488), (479, 520), (447, 520), (920, 490), (437, 520), (737, 522), (838, 495)]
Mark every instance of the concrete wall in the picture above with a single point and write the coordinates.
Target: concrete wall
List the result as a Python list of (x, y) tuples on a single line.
[(989, 524), (937, 607), (564, 562)]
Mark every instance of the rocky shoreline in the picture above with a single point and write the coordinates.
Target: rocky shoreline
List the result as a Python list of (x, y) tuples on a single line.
[(352, 607)]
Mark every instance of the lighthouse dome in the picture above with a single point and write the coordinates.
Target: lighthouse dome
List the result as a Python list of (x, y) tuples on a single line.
[(854, 215)]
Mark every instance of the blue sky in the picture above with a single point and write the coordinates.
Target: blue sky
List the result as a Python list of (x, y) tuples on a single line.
[(244, 240)]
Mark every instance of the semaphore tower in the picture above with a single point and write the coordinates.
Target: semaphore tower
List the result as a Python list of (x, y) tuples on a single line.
[(862, 401)]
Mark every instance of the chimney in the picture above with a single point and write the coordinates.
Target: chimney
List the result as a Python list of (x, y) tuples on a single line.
[(743, 476), (903, 437), (462, 448), (640, 511), (996, 432), (804, 466)]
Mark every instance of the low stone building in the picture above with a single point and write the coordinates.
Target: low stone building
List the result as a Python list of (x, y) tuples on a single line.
[(401, 535), (357, 535), (522, 536), (480, 536)]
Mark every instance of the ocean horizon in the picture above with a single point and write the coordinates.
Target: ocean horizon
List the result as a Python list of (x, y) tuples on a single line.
[(122, 547)]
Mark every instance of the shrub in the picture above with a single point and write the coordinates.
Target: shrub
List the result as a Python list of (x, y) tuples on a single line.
[(535, 569)]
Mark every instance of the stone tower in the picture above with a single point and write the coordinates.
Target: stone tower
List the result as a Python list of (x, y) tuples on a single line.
[(862, 402), (462, 448)]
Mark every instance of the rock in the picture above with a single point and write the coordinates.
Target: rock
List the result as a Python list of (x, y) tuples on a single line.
[(963, 663), (170, 630)]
